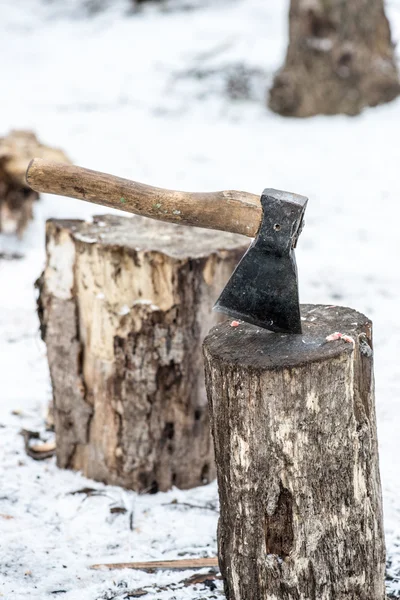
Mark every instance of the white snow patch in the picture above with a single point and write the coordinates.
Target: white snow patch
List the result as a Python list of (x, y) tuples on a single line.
[(124, 310), (321, 44), (85, 238), (116, 93), (143, 302)]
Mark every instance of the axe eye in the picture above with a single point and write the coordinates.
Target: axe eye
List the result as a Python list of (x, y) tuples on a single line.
[(277, 227)]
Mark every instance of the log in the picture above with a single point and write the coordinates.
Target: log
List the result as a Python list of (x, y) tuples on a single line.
[(124, 306), (293, 421), (340, 59), (16, 197)]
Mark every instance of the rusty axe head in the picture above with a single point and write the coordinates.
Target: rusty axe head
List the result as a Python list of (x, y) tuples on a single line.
[(263, 289)]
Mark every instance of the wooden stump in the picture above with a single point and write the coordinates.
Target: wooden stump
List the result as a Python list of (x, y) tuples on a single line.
[(16, 197), (125, 304), (340, 59), (293, 420)]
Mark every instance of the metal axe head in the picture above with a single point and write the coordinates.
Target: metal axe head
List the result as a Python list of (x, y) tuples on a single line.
[(263, 289)]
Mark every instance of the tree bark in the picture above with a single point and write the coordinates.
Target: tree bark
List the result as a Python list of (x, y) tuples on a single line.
[(340, 59), (124, 305), (293, 420), (16, 197)]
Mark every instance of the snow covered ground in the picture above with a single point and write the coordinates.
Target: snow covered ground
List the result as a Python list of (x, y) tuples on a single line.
[(147, 95)]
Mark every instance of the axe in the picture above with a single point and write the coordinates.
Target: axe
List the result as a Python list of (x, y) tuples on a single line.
[(263, 289)]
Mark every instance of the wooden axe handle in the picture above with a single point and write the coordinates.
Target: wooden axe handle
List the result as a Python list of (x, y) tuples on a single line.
[(238, 212)]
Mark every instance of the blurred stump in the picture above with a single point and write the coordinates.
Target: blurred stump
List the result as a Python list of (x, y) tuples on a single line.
[(16, 197), (124, 306), (340, 59)]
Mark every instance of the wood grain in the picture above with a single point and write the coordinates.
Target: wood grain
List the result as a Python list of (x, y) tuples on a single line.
[(237, 212)]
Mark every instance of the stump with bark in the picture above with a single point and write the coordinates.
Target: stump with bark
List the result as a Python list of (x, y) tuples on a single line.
[(340, 59), (16, 197), (293, 420), (124, 305)]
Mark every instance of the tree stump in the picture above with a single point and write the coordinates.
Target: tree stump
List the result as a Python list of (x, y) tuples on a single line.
[(16, 197), (293, 420), (125, 304), (340, 59)]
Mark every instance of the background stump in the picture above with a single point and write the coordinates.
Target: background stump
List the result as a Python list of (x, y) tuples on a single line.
[(293, 421), (125, 304), (340, 59), (16, 197)]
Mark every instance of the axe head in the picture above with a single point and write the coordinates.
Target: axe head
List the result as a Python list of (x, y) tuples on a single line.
[(263, 289)]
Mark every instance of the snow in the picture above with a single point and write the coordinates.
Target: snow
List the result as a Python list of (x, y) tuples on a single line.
[(146, 95)]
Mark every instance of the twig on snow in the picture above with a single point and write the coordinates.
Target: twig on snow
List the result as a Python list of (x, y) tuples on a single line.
[(180, 564)]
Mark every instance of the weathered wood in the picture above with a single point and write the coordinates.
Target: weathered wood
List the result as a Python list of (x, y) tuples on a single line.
[(293, 420), (16, 197), (237, 212), (152, 565), (125, 304), (340, 59)]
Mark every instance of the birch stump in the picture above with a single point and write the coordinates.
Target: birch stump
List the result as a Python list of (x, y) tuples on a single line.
[(16, 197), (124, 306), (340, 59), (293, 420)]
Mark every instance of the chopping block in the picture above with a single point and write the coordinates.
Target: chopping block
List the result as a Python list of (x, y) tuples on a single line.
[(124, 305), (294, 428)]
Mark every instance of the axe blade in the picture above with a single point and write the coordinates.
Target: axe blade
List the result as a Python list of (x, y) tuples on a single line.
[(263, 289)]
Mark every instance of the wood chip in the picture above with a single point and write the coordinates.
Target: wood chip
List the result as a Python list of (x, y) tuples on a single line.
[(87, 491), (45, 447), (185, 563), (196, 579), (119, 510), (40, 450)]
